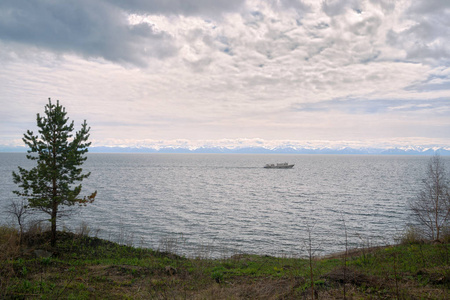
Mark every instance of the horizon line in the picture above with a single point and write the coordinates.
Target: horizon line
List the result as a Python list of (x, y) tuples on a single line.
[(346, 150)]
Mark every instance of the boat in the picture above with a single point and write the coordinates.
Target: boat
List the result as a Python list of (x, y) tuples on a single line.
[(279, 166)]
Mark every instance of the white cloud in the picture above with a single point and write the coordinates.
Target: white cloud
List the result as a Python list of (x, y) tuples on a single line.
[(207, 70)]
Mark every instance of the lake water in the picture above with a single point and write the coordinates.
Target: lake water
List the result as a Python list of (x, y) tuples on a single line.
[(222, 204)]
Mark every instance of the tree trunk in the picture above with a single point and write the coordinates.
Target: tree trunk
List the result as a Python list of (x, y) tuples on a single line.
[(53, 220), (54, 210), (54, 197), (436, 203)]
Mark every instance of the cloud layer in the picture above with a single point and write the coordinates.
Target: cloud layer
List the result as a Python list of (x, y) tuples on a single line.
[(206, 70)]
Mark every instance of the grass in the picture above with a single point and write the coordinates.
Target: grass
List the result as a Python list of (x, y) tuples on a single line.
[(83, 267)]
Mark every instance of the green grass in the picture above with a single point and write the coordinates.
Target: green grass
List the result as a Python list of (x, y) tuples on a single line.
[(85, 267)]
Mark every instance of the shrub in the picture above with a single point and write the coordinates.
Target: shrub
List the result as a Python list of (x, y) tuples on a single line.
[(411, 235)]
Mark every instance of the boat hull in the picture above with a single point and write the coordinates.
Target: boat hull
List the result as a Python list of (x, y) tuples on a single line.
[(278, 166)]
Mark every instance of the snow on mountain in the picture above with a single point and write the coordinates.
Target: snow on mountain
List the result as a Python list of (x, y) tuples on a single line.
[(406, 150)]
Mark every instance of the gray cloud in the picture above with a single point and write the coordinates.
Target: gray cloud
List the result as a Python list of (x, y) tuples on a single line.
[(295, 4), (361, 106), (367, 26), (427, 39), (337, 7), (97, 29), (178, 7), (429, 6)]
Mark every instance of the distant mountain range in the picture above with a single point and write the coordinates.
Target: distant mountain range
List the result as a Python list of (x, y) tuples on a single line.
[(262, 150)]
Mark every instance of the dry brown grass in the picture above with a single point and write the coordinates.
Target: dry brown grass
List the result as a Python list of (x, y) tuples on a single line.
[(354, 252), (9, 243)]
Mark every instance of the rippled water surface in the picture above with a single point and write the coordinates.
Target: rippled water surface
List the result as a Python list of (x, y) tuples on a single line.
[(221, 204)]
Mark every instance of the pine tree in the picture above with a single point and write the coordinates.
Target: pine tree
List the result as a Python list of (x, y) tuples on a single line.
[(53, 182)]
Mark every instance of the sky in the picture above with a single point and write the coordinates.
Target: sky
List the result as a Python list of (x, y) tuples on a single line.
[(231, 73)]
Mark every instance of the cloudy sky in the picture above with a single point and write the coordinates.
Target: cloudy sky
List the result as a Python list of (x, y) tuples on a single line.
[(230, 72)]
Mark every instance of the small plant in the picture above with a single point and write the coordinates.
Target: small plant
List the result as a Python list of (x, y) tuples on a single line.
[(218, 274), (24, 271), (26, 285), (9, 242), (84, 230), (310, 250), (411, 235), (46, 261), (20, 211)]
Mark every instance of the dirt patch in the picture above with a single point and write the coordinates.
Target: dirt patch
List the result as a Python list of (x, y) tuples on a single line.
[(354, 252), (439, 275), (250, 289), (117, 272), (344, 275)]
